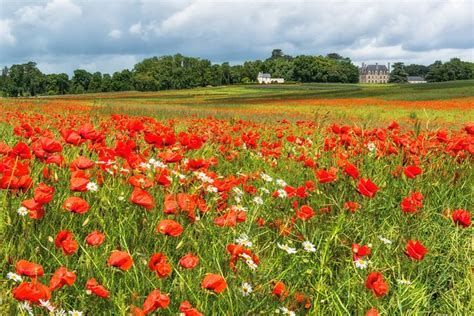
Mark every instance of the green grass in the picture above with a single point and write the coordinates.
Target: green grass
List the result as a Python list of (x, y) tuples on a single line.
[(440, 284)]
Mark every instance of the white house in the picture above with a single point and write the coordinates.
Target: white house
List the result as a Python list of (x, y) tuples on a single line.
[(267, 78), (416, 79)]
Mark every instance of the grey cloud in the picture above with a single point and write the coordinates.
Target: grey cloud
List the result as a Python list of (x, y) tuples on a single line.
[(109, 35)]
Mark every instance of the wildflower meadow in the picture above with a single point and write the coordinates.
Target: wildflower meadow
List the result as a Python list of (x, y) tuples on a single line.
[(106, 211)]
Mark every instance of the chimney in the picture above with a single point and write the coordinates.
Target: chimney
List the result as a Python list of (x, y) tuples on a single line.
[(388, 67)]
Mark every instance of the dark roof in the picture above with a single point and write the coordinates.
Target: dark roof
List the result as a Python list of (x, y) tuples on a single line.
[(374, 68), (415, 78)]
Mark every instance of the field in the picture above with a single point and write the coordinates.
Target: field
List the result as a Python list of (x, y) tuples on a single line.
[(310, 199)]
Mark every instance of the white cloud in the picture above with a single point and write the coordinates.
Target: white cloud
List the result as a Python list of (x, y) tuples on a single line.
[(6, 35), (54, 15), (115, 34)]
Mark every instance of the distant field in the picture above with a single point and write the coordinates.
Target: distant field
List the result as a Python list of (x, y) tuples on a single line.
[(437, 103)]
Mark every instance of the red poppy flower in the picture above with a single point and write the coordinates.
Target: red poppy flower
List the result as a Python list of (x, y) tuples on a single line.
[(325, 176), (79, 183), (214, 282), (43, 193), (376, 283), (65, 240), (21, 150), (189, 261), (170, 204), (412, 171), (136, 311), (237, 252), (120, 259), (361, 251), (160, 265), (351, 170), (186, 201), (142, 198), (279, 290), (30, 269), (352, 206), (412, 203), (462, 217), (188, 310), (416, 250), (81, 163), (96, 288), (367, 188), (372, 312), (50, 145), (35, 209), (305, 212), (32, 291), (95, 238), (154, 301), (230, 219), (169, 227), (60, 278), (76, 205)]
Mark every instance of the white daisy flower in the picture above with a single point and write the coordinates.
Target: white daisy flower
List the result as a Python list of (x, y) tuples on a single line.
[(287, 248), (361, 263), (282, 193), (47, 304), (92, 186), (13, 276), (145, 165), (239, 208), (266, 177), (246, 289), (404, 282), (75, 313), (258, 200), (121, 198), (248, 260), (371, 147), (26, 307), (265, 190), (60, 312), (244, 240), (238, 191), (308, 246), (385, 240), (22, 211), (212, 189), (285, 311), (281, 182)]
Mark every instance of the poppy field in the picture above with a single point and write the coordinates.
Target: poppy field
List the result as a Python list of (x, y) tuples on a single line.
[(109, 211)]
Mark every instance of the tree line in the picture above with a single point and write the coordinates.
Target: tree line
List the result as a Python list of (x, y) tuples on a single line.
[(455, 69), (181, 72)]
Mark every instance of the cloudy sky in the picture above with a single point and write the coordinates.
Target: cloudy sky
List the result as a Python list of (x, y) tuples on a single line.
[(109, 35)]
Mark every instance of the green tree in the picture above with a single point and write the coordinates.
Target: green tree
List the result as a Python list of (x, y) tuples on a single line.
[(80, 81), (95, 85), (398, 74), (416, 70)]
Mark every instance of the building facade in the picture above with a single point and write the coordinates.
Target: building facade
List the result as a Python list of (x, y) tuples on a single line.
[(374, 73), (266, 78)]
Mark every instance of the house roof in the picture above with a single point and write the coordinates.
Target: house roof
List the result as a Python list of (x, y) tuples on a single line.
[(415, 78), (264, 75), (374, 68)]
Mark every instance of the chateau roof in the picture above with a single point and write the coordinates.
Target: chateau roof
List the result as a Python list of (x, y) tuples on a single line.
[(375, 68)]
